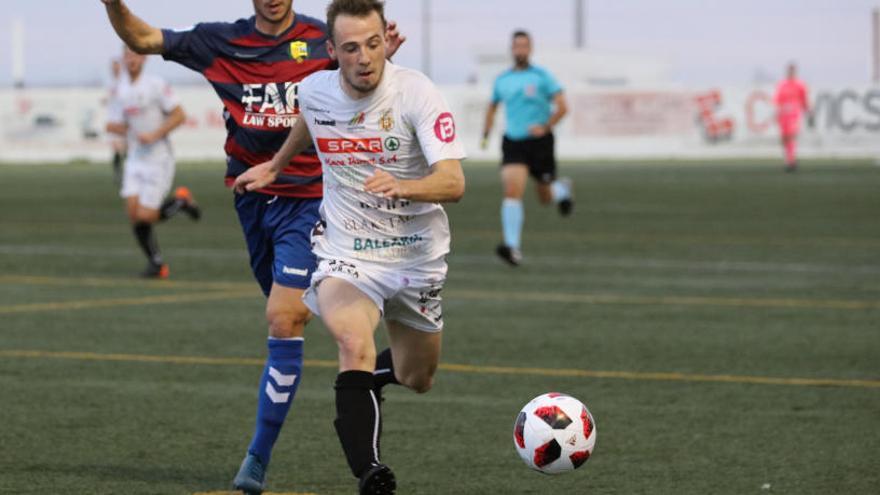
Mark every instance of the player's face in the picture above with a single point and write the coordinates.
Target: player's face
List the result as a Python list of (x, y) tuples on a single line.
[(134, 63), (792, 71), (273, 11), (522, 50), (359, 46)]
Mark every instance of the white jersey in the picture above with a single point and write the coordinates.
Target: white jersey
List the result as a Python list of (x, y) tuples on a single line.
[(142, 105), (404, 128)]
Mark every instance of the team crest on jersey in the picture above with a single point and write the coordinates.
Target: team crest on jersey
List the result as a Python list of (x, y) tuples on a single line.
[(386, 121), (392, 144), (299, 50)]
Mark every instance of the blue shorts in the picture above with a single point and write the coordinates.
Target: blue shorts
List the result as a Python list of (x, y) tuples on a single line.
[(278, 230)]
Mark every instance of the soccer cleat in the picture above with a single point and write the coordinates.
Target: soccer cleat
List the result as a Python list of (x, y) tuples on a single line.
[(157, 271), (378, 480), (791, 167), (510, 255), (565, 207), (189, 207), (250, 476)]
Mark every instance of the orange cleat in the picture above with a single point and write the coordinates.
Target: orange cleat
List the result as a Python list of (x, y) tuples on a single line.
[(189, 205), (160, 272), (183, 193)]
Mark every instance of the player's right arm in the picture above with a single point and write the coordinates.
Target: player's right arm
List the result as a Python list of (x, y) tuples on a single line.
[(488, 124), (116, 117), (264, 174), (117, 128), (137, 34)]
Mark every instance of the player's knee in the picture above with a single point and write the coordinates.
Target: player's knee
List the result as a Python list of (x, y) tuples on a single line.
[(418, 382), (287, 323), (142, 215), (355, 350)]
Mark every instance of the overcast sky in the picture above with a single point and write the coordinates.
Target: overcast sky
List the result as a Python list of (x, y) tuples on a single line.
[(708, 42)]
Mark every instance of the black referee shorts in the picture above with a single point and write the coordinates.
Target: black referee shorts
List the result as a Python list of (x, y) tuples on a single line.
[(537, 153)]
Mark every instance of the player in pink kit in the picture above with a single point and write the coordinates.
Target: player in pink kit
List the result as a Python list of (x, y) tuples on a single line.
[(791, 100)]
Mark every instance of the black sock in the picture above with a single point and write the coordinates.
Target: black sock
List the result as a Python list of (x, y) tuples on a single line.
[(357, 419), (143, 231), (117, 162), (170, 207), (384, 374)]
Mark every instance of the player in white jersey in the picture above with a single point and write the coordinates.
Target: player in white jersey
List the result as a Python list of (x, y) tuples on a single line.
[(390, 154), (146, 110)]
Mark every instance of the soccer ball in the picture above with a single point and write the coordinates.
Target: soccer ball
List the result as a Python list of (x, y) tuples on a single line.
[(554, 433)]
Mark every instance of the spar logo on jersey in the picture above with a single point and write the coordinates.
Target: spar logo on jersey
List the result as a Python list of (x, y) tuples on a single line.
[(350, 145), (444, 127), (271, 105)]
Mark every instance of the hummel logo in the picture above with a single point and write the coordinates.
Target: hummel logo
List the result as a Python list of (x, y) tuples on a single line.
[(300, 272)]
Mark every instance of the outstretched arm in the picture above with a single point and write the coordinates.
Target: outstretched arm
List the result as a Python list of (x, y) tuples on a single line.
[(445, 184), (264, 174), (137, 34)]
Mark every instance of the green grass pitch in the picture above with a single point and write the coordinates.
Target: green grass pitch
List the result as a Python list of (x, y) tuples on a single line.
[(720, 321)]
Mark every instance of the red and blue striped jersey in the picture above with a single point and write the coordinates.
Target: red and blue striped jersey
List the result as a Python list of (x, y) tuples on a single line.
[(257, 78)]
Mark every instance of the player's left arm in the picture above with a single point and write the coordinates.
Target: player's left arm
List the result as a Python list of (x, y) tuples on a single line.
[(174, 119), (553, 89), (560, 108), (560, 105), (445, 184)]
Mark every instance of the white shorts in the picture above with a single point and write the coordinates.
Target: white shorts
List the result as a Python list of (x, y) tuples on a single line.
[(150, 182), (411, 297)]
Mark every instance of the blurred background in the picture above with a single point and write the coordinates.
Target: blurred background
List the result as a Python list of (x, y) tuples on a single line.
[(683, 78)]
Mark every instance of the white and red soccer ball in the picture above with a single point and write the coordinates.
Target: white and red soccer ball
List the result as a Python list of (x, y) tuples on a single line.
[(554, 433)]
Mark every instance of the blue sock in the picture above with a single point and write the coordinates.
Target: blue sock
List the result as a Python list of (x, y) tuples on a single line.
[(512, 221), (277, 388)]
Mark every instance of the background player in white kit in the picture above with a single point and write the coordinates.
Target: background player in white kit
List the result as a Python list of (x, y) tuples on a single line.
[(146, 110), (389, 153)]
